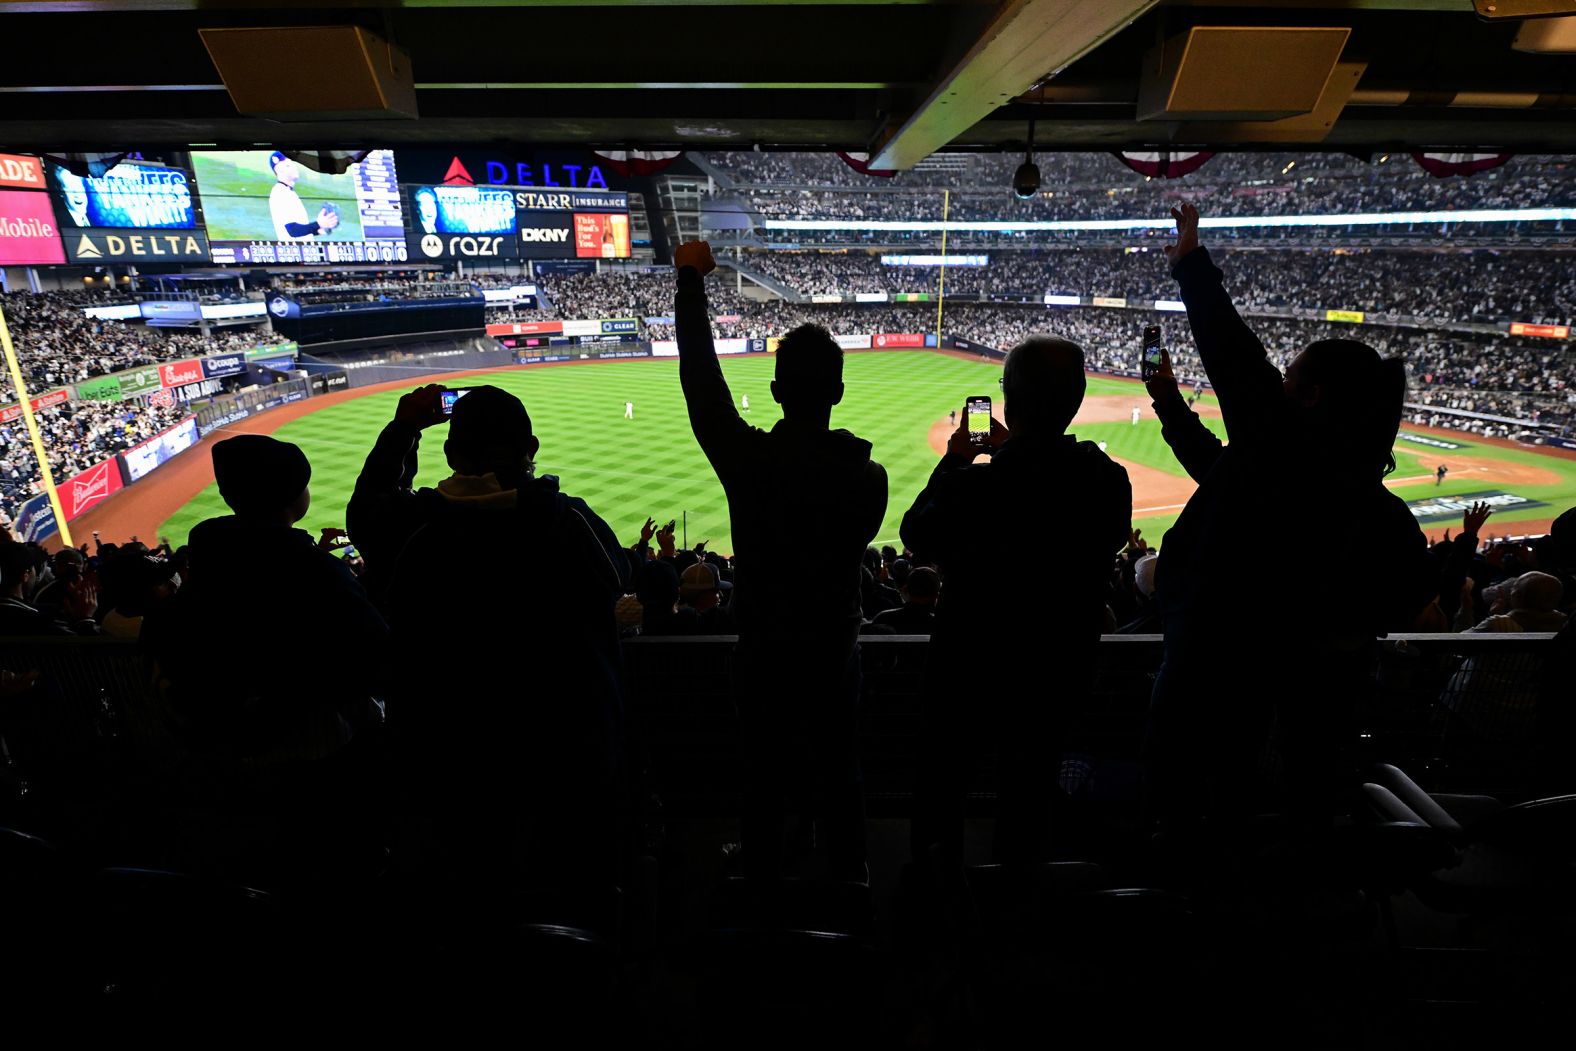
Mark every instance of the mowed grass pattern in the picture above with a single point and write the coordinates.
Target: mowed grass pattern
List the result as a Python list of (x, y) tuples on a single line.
[(651, 465)]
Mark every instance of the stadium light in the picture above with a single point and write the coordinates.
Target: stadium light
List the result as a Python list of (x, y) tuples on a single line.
[(1464, 215)]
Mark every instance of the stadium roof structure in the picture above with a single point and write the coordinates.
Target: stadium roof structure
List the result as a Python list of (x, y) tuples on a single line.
[(898, 80)]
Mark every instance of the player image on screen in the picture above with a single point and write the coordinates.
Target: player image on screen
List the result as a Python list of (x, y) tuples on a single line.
[(287, 208), (427, 209), (74, 190), (127, 197)]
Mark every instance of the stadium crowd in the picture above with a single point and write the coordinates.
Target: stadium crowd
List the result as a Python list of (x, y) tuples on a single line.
[(1098, 186), (1535, 287), (459, 739), (57, 344)]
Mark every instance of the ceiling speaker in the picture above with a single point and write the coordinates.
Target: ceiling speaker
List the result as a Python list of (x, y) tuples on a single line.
[(312, 73), (1238, 73)]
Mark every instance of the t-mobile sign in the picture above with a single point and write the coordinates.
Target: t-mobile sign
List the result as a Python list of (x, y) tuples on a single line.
[(27, 229)]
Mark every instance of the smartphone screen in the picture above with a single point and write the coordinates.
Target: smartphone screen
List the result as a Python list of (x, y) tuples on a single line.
[(1154, 346), (452, 396), (977, 409)]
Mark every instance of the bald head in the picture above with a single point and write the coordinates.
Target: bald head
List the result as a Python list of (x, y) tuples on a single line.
[(1043, 382)]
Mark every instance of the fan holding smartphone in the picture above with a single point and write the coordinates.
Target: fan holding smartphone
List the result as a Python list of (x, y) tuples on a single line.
[(1154, 353), (449, 397)]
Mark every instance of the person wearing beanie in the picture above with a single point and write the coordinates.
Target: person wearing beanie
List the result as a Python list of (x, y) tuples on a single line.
[(312, 646), (491, 450)]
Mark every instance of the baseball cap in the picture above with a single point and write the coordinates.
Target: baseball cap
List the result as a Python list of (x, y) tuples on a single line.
[(703, 577), (1144, 574), (490, 419), (274, 159)]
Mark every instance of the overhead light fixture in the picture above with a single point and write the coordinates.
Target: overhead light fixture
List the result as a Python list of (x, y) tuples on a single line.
[(1026, 180)]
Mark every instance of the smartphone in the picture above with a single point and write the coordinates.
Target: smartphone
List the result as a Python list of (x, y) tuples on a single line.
[(977, 411), (450, 397), (1154, 347)]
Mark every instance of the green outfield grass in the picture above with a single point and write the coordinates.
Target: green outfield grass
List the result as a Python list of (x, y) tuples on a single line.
[(235, 188), (651, 465)]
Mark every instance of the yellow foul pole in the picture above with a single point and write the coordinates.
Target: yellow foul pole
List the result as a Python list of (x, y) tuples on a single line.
[(941, 284), (25, 401)]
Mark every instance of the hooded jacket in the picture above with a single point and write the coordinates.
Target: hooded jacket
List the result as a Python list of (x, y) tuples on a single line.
[(385, 511), (266, 643)]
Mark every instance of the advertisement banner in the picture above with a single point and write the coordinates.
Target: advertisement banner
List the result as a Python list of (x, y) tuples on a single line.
[(215, 365), (898, 339), (855, 342), (870, 297), (93, 245), (601, 236), (1350, 317), (180, 373), (1120, 302), (90, 488), (35, 519), (526, 328), (43, 401), (139, 381), (104, 388), (911, 297), (1054, 300), (272, 350), (1518, 328), (22, 173), (772, 341), (143, 457), (27, 229), (824, 298)]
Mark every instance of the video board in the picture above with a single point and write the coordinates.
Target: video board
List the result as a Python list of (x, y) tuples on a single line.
[(133, 213), (486, 223), (262, 207)]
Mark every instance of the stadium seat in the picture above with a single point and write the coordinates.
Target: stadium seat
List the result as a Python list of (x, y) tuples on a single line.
[(1505, 860)]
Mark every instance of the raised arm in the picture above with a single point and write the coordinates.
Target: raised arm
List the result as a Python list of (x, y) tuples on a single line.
[(375, 516), (717, 424), (1247, 386), (1195, 446)]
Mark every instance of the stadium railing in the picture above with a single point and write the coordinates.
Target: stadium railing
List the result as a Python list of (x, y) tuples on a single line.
[(1456, 707)]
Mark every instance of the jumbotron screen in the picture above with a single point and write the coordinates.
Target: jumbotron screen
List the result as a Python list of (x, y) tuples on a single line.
[(496, 222), (262, 207)]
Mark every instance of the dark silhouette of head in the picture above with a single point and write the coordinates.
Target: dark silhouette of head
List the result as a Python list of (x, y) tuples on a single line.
[(809, 374), (19, 566), (262, 478), (1351, 398), (1043, 384), (922, 586), (490, 433)]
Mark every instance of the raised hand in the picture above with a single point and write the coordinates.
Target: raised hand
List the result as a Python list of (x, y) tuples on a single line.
[(422, 407), (647, 531), (1476, 515), (696, 254), (1163, 384), (1186, 217), (331, 539), (665, 548), (81, 600)]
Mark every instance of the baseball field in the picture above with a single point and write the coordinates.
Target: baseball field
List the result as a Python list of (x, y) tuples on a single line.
[(899, 400)]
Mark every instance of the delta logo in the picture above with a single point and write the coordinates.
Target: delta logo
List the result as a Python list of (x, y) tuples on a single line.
[(499, 174)]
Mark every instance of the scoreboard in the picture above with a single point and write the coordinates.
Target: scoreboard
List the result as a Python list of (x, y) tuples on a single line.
[(489, 223)]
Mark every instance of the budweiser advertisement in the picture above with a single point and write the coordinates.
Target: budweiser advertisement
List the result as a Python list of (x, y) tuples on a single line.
[(27, 229), (180, 373), (89, 488), (897, 339)]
